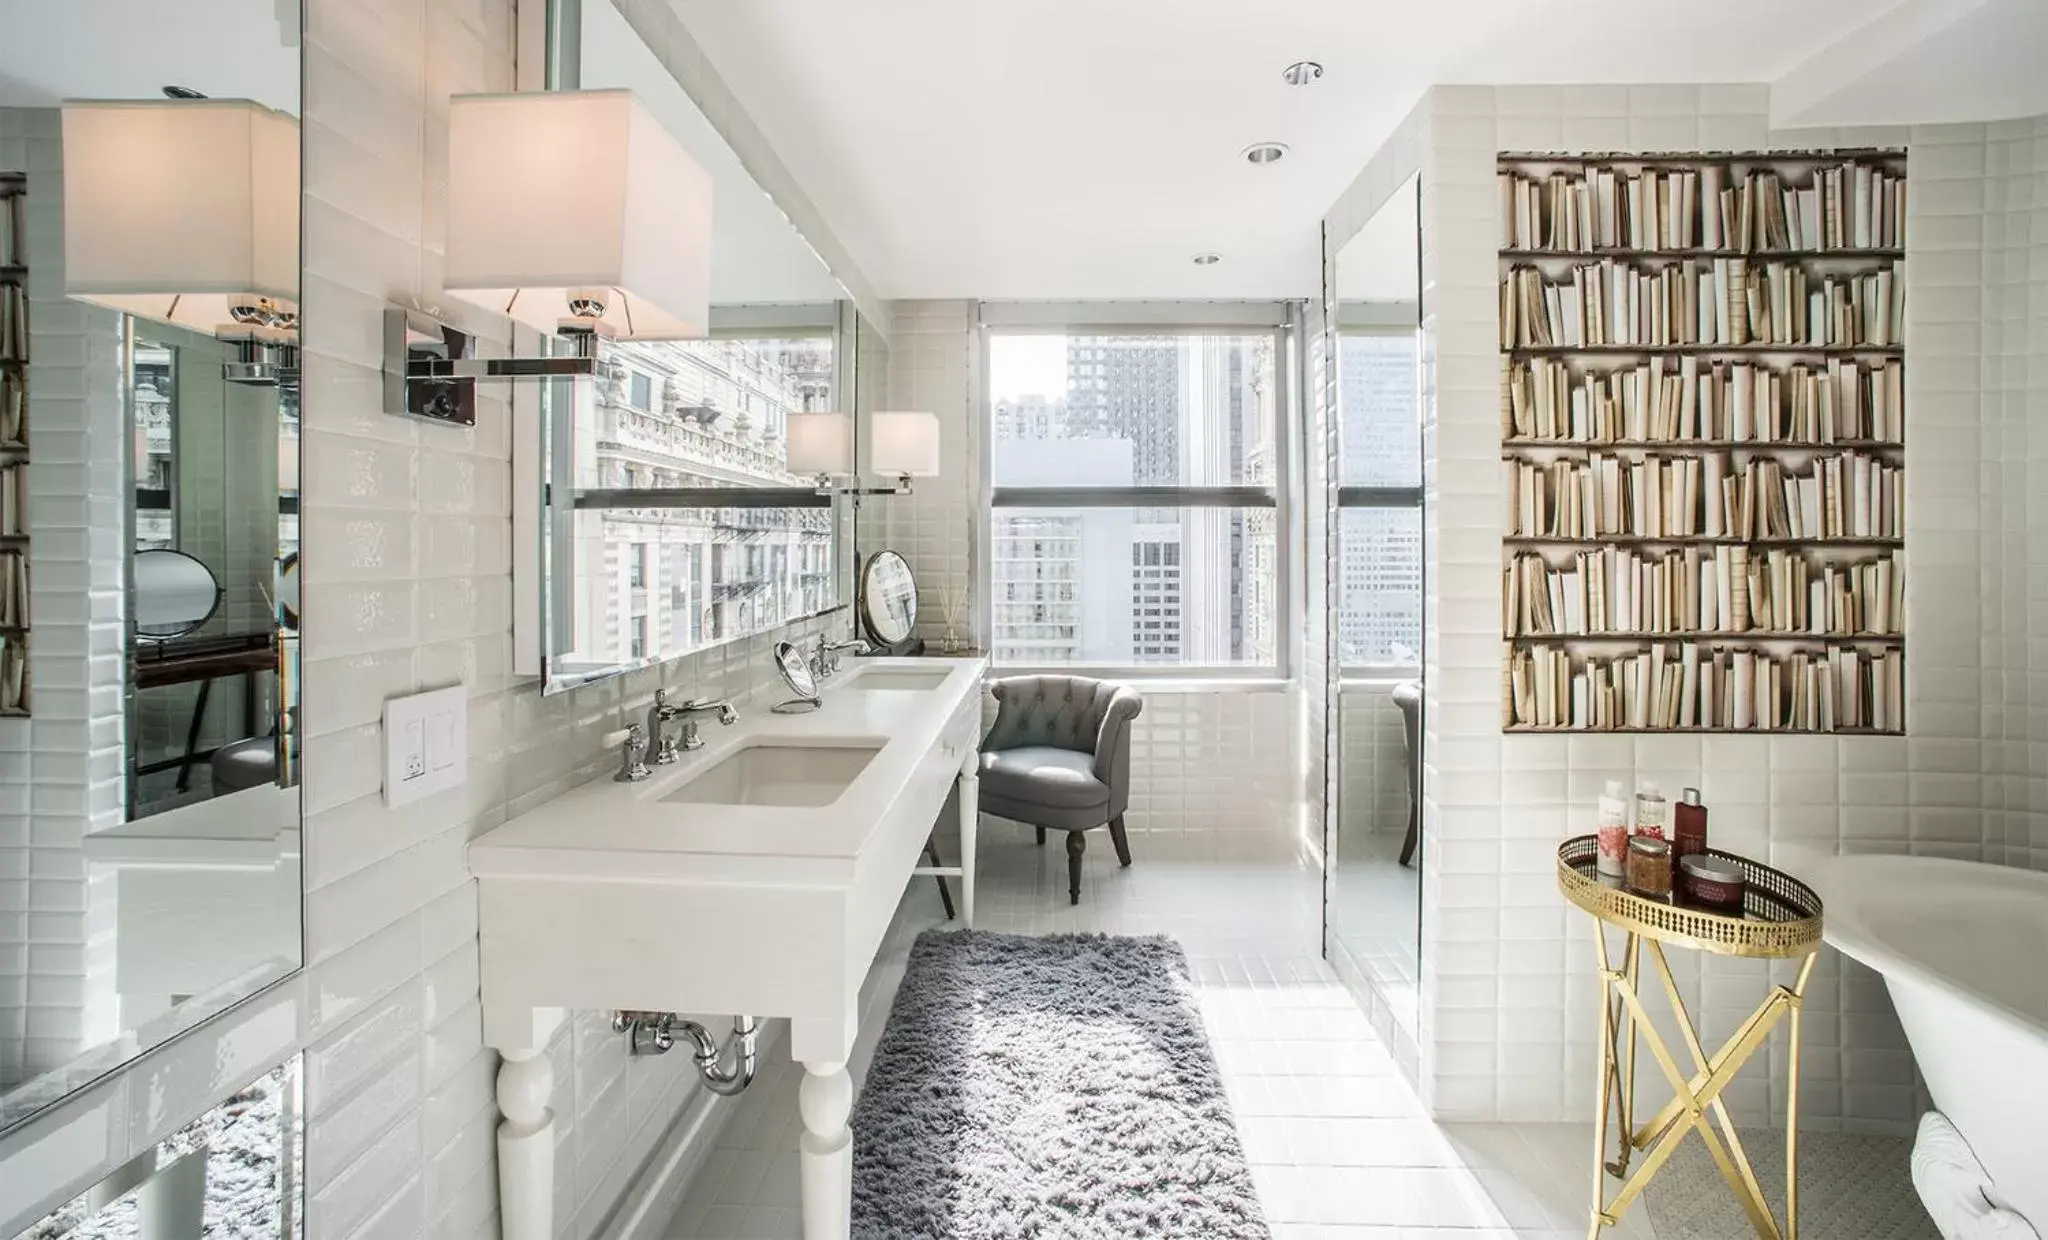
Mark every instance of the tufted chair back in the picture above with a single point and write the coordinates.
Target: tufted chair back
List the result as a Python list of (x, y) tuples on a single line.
[(1069, 712)]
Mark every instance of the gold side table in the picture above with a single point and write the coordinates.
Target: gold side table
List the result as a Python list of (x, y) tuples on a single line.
[(1781, 920)]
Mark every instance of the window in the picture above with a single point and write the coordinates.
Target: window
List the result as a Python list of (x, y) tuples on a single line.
[(1135, 499), (641, 391), (636, 566), (1379, 478)]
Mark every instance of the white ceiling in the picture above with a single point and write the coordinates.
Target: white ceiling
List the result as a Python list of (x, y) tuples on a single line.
[(756, 254), (52, 50), (1089, 148)]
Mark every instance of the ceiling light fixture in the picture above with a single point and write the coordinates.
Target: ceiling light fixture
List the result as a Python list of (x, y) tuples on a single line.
[(1302, 73), (1208, 260), (1265, 152)]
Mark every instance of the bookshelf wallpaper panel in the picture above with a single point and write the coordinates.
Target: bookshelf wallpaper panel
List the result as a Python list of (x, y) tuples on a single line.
[(1702, 421)]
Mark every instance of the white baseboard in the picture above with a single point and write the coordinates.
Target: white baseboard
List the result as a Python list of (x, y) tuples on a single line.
[(654, 1196)]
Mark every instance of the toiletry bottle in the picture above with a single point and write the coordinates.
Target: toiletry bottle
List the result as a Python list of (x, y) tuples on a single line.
[(1653, 813), (1688, 825), (1613, 826)]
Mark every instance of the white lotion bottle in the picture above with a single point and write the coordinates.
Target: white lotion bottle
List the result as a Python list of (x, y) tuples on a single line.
[(1613, 829)]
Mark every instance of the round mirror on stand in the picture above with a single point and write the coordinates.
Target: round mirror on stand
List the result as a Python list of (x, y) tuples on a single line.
[(887, 603), (796, 673), (174, 594)]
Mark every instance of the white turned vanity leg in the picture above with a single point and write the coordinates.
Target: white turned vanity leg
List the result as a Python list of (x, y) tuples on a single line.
[(526, 1137), (970, 827), (825, 1100)]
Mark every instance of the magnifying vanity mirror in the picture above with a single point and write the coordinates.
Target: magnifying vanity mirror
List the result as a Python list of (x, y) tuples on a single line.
[(887, 602), (1376, 853), (796, 673), (149, 414)]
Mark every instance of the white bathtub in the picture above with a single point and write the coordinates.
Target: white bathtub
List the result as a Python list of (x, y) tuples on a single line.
[(1964, 951)]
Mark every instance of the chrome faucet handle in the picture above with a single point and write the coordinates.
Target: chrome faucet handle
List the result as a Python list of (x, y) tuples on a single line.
[(666, 752), (631, 768), (691, 741)]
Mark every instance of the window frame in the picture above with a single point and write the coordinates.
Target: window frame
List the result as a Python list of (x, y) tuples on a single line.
[(1247, 319), (1370, 497)]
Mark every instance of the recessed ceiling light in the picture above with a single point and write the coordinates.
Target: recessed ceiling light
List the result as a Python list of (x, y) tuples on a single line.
[(1265, 152), (1301, 73), (1208, 260), (182, 92)]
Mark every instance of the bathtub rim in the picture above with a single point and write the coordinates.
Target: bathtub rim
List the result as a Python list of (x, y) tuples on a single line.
[(1854, 884)]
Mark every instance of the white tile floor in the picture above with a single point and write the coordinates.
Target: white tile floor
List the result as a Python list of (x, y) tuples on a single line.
[(1338, 1144)]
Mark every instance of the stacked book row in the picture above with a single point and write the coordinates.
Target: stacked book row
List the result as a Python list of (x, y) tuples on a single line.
[(13, 674), (13, 590), (1851, 205), (1725, 302), (13, 323), (12, 228), (1717, 590), (1848, 495), (1681, 399), (1693, 685)]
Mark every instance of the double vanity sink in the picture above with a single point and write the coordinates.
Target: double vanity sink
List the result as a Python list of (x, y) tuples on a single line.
[(756, 875)]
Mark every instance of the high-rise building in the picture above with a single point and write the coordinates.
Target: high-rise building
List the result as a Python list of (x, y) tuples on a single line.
[(1379, 549), (1150, 585)]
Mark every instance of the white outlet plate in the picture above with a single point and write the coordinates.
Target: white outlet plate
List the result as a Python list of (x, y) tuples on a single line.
[(426, 744)]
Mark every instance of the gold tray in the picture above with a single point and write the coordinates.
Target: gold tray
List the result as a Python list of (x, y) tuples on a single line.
[(1781, 916)]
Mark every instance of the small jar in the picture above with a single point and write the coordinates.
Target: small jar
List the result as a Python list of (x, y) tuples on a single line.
[(1649, 867), (1712, 883)]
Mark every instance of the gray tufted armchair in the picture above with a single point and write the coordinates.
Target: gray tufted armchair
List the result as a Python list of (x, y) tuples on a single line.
[(1059, 757)]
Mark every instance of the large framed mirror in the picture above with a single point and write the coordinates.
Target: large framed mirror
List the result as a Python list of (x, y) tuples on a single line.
[(1376, 851), (640, 564), (149, 405)]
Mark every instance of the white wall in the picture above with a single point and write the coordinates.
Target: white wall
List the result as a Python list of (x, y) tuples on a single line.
[(1509, 1011), (61, 770), (408, 546)]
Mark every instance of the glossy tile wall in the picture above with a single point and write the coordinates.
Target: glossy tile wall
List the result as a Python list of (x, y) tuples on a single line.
[(1508, 1000), (70, 751), (2013, 464), (407, 538)]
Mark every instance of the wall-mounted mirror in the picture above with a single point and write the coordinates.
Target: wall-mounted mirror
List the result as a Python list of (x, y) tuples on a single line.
[(635, 574), (1376, 853), (149, 855)]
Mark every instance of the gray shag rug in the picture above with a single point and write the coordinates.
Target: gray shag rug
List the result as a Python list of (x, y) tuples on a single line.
[(1047, 1086), (1850, 1188)]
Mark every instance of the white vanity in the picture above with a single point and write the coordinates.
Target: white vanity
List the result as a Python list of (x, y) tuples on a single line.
[(756, 875)]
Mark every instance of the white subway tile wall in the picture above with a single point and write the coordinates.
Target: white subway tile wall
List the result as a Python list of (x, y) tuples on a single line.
[(1509, 1015), (61, 771)]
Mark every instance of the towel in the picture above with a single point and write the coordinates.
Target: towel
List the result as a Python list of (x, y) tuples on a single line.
[(1956, 1190)]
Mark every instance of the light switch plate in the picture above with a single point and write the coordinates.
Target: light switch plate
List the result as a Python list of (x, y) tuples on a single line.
[(426, 744)]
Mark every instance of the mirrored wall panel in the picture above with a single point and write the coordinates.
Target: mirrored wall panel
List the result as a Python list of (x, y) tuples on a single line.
[(1376, 851), (149, 414), (234, 1171), (641, 568)]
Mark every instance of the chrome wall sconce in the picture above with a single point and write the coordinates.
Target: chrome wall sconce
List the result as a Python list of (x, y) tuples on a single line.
[(903, 445), (571, 212)]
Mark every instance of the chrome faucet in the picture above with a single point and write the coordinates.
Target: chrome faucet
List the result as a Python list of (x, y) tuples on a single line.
[(663, 748), (826, 662)]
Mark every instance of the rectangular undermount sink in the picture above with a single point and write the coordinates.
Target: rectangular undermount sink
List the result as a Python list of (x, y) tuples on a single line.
[(792, 774), (898, 680)]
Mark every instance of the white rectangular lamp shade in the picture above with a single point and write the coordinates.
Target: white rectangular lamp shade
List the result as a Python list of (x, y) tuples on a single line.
[(820, 443), (176, 209), (906, 444), (561, 192)]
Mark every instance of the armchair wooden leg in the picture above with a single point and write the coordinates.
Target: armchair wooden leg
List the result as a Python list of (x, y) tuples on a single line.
[(1077, 843), (1122, 842), (1041, 837)]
